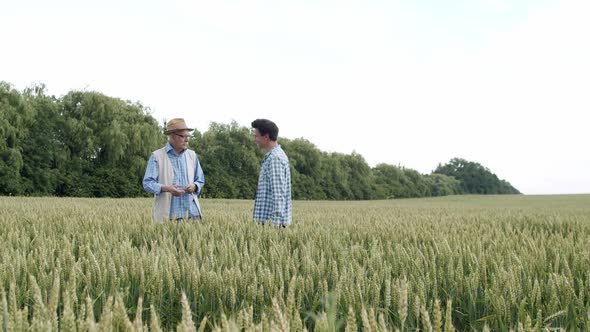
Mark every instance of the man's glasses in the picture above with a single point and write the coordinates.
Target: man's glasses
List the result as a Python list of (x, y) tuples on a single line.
[(183, 136)]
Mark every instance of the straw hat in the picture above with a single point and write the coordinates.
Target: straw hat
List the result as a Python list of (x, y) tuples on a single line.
[(176, 125)]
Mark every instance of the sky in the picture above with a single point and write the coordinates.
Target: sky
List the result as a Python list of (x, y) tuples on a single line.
[(504, 83)]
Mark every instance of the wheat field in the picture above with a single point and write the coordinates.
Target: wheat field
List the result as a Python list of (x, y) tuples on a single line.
[(459, 263)]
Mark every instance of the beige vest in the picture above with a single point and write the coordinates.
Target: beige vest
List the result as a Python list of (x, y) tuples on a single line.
[(163, 201)]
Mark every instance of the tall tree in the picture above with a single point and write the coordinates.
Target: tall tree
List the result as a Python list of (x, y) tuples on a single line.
[(15, 119), (108, 141), (443, 185), (358, 175), (44, 154), (475, 178), (305, 159), (89, 144), (230, 160), (333, 177)]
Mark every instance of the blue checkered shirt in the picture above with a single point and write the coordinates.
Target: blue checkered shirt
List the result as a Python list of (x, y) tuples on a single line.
[(182, 204), (273, 196)]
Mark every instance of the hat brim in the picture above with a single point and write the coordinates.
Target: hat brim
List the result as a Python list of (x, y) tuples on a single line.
[(177, 129)]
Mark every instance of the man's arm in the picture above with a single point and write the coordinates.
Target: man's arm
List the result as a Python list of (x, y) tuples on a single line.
[(278, 186), (198, 178), (150, 178)]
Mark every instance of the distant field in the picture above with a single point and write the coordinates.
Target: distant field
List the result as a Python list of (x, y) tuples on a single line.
[(461, 262)]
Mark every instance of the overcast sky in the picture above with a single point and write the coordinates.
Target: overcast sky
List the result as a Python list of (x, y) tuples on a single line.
[(505, 83)]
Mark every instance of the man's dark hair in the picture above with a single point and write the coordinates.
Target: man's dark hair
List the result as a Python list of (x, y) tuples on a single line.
[(265, 126)]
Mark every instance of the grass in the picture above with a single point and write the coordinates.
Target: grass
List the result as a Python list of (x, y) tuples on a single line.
[(459, 262)]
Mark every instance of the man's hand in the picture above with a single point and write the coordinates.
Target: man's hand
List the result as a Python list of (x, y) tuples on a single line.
[(174, 190), (191, 188)]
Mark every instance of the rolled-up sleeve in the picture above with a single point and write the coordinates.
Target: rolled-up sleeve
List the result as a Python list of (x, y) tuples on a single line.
[(150, 179)]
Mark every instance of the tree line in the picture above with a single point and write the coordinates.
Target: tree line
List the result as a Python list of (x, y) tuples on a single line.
[(87, 144)]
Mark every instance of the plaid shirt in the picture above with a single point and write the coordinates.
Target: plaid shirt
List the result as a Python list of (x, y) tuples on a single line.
[(180, 205), (273, 196)]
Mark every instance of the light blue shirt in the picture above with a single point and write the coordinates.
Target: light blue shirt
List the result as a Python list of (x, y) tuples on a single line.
[(180, 205), (273, 196)]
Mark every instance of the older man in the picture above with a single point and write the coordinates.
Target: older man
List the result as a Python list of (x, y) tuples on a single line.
[(175, 177)]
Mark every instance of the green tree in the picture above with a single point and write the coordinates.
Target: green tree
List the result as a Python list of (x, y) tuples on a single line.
[(305, 160), (44, 154), (418, 186), (443, 185), (230, 160), (333, 178), (475, 178), (388, 181), (89, 144), (358, 175), (15, 119), (107, 141)]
